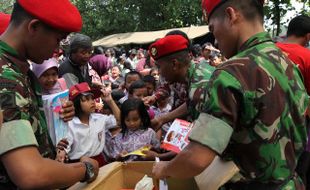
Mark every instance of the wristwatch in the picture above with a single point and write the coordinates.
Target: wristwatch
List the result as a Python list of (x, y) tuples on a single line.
[(89, 172)]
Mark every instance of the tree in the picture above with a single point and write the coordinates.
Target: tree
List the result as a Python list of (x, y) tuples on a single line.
[(276, 10), (6, 6), (104, 17)]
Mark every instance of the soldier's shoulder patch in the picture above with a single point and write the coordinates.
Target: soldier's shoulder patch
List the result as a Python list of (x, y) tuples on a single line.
[(7, 100)]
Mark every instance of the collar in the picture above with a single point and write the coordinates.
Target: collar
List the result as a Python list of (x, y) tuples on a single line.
[(138, 131), (258, 38), (12, 57), (92, 117)]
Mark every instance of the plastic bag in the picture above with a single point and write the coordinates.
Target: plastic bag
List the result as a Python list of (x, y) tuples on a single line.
[(146, 183)]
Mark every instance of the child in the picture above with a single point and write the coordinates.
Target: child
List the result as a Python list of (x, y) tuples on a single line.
[(138, 89), (154, 72), (47, 73), (130, 77), (135, 132), (162, 107), (86, 132), (150, 83)]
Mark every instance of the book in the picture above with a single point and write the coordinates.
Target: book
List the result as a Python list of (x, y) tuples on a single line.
[(138, 152), (52, 105), (176, 138)]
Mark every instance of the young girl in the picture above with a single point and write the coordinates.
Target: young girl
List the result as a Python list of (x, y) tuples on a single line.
[(136, 131), (47, 73), (86, 132)]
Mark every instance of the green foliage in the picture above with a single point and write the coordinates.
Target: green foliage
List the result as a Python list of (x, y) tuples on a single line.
[(276, 13), (6, 6), (104, 17)]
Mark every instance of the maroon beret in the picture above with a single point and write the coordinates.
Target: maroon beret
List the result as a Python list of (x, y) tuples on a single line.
[(208, 6), (59, 14), (167, 46), (4, 21)]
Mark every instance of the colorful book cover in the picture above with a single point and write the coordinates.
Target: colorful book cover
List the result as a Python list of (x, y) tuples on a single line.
[(52, 106), (176, 138)]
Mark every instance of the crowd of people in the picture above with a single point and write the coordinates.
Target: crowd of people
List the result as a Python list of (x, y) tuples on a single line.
[(246, 95)]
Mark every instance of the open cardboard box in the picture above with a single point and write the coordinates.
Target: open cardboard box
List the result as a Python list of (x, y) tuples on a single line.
[(118, 175)]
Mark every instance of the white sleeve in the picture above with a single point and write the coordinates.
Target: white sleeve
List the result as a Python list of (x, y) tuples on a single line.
[(110, 122), (70, 137)]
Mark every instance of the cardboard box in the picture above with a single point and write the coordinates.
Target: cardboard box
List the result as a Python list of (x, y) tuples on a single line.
[(118, 175)]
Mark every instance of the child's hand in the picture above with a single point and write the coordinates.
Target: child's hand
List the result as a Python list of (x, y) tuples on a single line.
[(123, 153), (106, 94), (62, 144), (99, 106), (62, 156), (149, 155)]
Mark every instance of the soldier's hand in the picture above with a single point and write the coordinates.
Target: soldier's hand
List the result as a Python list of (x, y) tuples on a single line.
[(95, 166), (67, 112), (159, 170)]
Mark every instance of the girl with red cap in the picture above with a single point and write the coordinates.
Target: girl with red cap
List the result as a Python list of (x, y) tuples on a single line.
[(86, 132)]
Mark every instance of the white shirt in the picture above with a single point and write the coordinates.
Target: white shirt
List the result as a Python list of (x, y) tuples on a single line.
[(88, 140)]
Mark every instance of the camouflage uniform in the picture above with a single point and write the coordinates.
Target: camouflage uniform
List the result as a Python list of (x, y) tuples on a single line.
[(199, 75), (24, 120), (254, 115)]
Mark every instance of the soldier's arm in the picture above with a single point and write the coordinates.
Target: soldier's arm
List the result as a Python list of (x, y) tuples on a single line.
[(177, 113), (29, 170), (188, 163)]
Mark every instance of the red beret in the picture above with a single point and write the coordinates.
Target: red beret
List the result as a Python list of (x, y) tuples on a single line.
[(83, 88), (59, 14), (4, 21), (208, 6), (167, 46)]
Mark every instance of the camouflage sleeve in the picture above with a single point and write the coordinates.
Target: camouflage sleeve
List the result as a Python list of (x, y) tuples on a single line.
[(16, 134), (15, 101), (215, 126)]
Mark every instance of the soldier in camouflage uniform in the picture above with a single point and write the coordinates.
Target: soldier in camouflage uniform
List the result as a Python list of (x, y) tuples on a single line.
[(253, 111), (24, 135)]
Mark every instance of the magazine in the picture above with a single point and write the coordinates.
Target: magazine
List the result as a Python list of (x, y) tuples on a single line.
[(52, 105), (176, 138)]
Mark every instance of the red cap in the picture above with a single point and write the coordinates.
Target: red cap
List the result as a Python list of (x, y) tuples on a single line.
[(82, 88), (4, 21), (59, 14), (167, 46), (208, 6)]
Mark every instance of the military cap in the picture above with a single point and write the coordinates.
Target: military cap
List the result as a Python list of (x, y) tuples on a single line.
[(84, 89), (209, 6), (4, 21), (167, 46), (59, 14)]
